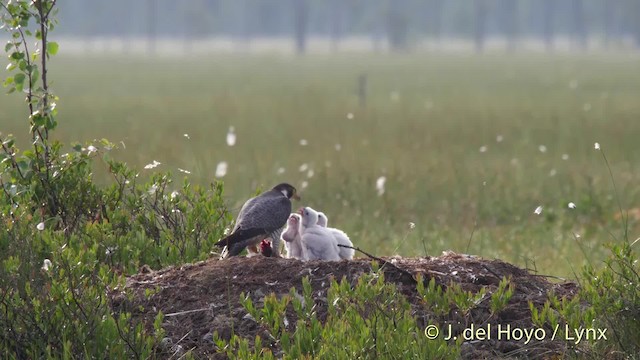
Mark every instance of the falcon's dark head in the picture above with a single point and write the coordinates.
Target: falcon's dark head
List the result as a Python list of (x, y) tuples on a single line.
[(287, 190)]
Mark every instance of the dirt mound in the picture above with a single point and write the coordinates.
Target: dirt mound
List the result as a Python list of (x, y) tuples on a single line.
[(202, 297)]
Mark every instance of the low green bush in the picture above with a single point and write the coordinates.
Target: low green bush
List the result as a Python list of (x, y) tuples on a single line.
[(369, 320)]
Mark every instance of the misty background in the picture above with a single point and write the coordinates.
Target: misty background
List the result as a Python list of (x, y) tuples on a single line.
[(303, 26)]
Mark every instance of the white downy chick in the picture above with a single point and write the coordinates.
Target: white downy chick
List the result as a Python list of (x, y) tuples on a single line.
[(317, 242), (292, 238), (341, 237)]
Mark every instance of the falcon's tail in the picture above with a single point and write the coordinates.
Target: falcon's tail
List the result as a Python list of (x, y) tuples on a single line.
[(238, 236)]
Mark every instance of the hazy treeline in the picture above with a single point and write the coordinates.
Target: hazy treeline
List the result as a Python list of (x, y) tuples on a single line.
[(399, 22)]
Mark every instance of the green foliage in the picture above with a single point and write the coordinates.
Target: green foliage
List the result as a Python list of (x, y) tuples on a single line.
[(500, 298), (614, 295), (441, 302), (608, 300), (67, 241), (368, 320)]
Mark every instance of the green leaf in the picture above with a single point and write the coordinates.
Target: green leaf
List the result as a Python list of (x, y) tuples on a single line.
[(8, 81), (52, 48), (17, 55), (8, 46), (19, 79), (35, 75), (38, 120)]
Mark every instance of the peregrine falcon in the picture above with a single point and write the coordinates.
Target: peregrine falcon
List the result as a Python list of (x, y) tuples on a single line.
[(291, 237), (340, 236), (317, 242), (261, 217)]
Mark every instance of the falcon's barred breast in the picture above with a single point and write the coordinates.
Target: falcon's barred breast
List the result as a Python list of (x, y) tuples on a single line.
[(261, 217)]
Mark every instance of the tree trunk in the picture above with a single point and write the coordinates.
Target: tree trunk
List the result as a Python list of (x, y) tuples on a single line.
[(435, 18), (547, 16), (635, 17), (481, 16), (301, 16), (152, 14), (336, 13), (397, 27), (579, 28), (608, 14), (511, 19)]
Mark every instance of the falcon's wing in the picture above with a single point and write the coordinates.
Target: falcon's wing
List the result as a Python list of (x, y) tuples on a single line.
[(269, 212), (249, 204)]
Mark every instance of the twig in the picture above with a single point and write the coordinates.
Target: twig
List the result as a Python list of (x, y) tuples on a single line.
[(492, 272), (383, 261), (549, 276), (187, 312)]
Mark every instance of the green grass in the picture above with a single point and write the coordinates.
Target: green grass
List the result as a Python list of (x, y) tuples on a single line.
[(426, 141)]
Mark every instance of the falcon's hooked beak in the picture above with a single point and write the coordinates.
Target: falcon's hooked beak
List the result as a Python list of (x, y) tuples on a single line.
[(296, 196)]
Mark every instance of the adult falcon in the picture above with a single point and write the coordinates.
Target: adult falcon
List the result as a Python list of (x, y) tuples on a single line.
[(261, 217)]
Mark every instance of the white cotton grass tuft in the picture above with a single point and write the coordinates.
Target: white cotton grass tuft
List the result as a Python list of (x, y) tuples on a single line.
[(596, 146), (91, 149), (338, 147), (380, 185), (281, 170), (186, 135), (231, 136), (542, 149), (499, 138), (350, 116), (304, 142), (304, 167), (40, 226), (553, 172), (565, 157), (310, 173), (221, 169), (304, 184), (174, 194), (412, 225), (538, 210), (184, 171), (483, 149), (152, 190), (571, 205), (46, 265), (152, 165)]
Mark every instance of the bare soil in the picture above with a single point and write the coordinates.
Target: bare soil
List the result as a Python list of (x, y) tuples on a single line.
[(199, 298)]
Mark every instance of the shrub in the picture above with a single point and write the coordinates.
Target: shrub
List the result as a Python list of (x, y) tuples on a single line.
[(370, 320), (66, 241)]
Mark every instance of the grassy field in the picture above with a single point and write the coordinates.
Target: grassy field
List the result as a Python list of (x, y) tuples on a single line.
[(469, 146)]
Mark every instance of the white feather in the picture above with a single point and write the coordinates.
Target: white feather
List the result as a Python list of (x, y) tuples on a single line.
[(340, 236), (292, 239), (318, 243)]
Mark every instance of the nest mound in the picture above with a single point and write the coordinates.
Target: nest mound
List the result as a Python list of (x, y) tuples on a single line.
[(202, 297)]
